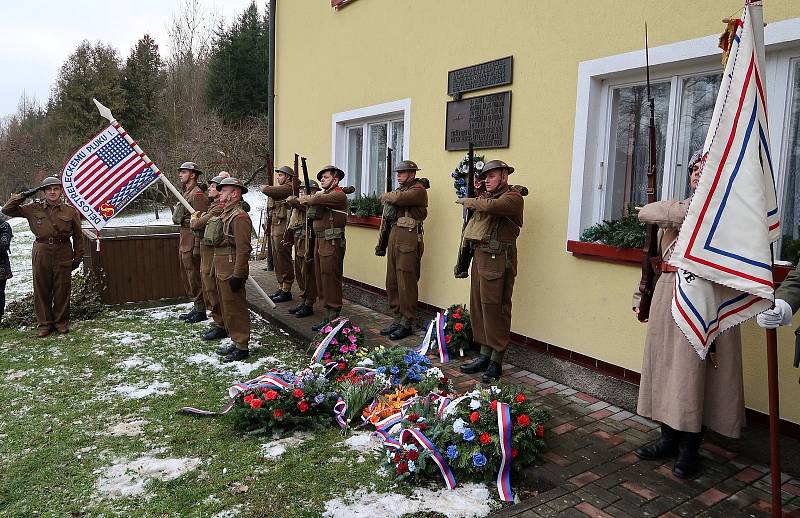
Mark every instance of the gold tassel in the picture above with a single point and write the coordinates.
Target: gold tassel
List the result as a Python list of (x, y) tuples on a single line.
[(726, 38)]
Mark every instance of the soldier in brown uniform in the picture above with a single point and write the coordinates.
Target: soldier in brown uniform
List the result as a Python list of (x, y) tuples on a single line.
[(407, 208), (494, 267), (231, 256), (303, 254), (279, 212), (53, 223), (210, 295), (328, 210), (189, 246)]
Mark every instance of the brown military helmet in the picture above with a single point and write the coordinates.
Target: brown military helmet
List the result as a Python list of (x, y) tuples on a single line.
[(285, 169), (406, 165), (314, 185), (217, 179), (496, 164), (234, 182), (339, 172), (50, 180), (190, 166)]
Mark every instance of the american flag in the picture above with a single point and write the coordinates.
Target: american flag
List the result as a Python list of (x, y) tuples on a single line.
[(107, 170)]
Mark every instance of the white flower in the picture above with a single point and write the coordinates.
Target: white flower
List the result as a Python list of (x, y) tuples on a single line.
[(410, 447), (474, 394), (474, 404), (459, 426), (494, 389), (411, 466), (366, 362), (479, 165), (465, 168), (434, 371)]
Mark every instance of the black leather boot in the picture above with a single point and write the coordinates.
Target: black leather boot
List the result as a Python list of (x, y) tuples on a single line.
[(284, 296), (317, 327), (297, 308), (276, 294), (400, 332), (236, 355), (688, 463), (198, 316), (665, 446), (479, 364), (391, 329), (190, 314), (305, 311), (224, 350), (493, 372), (216, 333)]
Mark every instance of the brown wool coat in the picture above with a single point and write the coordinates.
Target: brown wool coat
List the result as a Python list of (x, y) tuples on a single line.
[(281, 254), (677, 388), (231, 260), (207, 278), (329, 255), (189, 246), (52, 263), (303, 257)]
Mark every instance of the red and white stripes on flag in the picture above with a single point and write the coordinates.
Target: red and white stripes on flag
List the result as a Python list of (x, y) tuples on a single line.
[(723, 250)]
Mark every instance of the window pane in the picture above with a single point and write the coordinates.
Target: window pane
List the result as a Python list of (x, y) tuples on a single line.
[(790, 216), (377, 158), (397, 144), (698, 95), (355, 150), (629, 157)]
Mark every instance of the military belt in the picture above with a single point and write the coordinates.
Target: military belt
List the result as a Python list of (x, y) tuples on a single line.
[(52, 240)]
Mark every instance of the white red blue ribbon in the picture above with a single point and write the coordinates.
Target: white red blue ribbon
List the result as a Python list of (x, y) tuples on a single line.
[(441, 322), (339, 409), (269, 380), (387, 438), (323, 345), (425, 344), (504, 426), (447, 475)]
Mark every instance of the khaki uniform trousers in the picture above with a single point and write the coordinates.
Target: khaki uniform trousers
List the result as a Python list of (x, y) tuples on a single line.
[(52, 281), (329, 270), (282, 256), (492, 284), (304, 270), (190, 261), (403, 256), (209, 281), (235, 312)]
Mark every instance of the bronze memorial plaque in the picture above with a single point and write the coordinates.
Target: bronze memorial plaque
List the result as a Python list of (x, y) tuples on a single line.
[(476, 77), (482, 120)]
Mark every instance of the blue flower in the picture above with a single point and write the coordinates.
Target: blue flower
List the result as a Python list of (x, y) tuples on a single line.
[(469, 435), (461, 182), (395, 369), (408, 358), (319, 398), (394, 380), (455, 174), (478, 460), (380, 370), (452, 452)]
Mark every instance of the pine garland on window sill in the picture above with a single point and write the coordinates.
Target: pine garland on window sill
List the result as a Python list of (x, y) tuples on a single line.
[(626, 232)]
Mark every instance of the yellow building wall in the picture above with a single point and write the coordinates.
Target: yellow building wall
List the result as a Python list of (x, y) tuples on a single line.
[(376, 51)]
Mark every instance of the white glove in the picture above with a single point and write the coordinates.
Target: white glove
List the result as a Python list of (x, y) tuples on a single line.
[(780, 315)]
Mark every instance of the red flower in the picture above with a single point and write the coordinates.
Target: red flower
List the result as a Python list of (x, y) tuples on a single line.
[(485, 438), (302, 406), (514, 453), (341, 366), (396, 458), (457, 315), (298, 393), (413, 417), (248, 398), (447, 339), (523, 420), (520, 398), (402, 467), (255, 404), (278, 413), (444, 381), (271, 395), (494, 405), (474, 416), (540, 430), (412, 454), (458, 327), (422, 426)]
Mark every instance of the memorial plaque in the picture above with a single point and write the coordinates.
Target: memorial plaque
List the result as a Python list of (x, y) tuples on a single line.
[(483, 120), (477, 77)]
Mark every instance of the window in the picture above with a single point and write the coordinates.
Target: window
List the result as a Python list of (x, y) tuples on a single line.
[(361, 139), (611, 146)]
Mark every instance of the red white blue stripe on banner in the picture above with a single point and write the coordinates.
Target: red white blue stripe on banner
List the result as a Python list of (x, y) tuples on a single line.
[(323, 345), (504, 426), (447, 475)]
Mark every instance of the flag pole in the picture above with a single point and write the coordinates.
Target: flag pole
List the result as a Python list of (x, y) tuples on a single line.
[(105, 112), (774, 421)]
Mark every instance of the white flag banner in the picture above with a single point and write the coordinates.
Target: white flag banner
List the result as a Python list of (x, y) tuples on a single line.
[(723, 250)]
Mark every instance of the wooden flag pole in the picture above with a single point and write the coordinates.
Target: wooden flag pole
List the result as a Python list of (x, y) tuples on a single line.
[(774, 421), (252, 282), (105, 112)]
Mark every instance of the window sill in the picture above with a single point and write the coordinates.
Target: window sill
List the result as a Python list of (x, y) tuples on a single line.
[(366, 222), (633, 256)]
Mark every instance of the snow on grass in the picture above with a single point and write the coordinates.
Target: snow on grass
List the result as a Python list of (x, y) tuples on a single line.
[(362, 442), (139, 392), (126, 429), (146, 364), (229, 513), (240, 368), (467, 501), (130, 338), (128, 478), (273, 450)]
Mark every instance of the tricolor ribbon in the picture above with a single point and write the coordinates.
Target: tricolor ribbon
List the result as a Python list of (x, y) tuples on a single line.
[(270, 380), (323, 345), (425, 344), (339, 409), (504, 431), (387, 438), (441, 321), (447, 475)]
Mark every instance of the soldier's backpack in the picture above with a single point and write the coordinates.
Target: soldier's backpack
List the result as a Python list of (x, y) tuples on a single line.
[(213, 234)]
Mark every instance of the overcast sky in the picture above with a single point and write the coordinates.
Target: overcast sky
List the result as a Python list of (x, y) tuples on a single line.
[(37, 36)]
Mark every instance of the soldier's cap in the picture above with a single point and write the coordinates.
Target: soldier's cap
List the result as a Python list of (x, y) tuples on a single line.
[(190, 166), (217, 179), (234, 182), (496, 164), (50, 180), (406, 165), (333, 168), (314, 184), (285, 169)]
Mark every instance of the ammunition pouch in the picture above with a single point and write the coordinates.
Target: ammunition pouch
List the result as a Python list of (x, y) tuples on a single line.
[(330, 234), (479, 227), (280, 211), (213, 234), (313, 212), (406, 222), (389, 211), (179, 214), (296, 219)]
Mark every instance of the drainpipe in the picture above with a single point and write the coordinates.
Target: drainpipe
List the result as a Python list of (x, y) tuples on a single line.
[(271, 84)]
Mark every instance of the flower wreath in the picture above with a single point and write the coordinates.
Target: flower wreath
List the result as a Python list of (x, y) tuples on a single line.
[(461, 173), (458, 329)]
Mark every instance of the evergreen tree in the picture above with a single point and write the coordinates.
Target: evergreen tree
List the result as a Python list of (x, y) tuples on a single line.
[(142, 81), (237, 70)]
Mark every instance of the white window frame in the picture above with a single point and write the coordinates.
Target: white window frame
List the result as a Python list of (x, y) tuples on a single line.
[(674, 61), (384, 112)]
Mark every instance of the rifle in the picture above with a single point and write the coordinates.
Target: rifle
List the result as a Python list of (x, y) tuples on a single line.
[(465, 251), (268, 229), (652, 255), (309, 236), (288, 234), (383, 233)]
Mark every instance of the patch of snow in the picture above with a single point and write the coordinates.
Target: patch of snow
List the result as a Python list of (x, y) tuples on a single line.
[(241, 368), (130, 338), (127, 478), (139, 392), (211, 499), (467, 501), (229, 513), (126, 429), (15, 375), (362, 442), (137, 361), (273, 450)]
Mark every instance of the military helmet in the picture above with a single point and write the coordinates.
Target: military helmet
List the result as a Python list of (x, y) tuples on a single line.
[(314, 184), (339, 172), (496, 164), (406, 165), (234, 182), (191, 166), (50, 180), (285, 169), (217, 179)]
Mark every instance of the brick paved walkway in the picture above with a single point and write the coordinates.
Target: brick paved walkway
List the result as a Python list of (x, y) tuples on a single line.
[(589, 461)]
